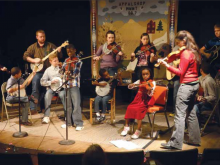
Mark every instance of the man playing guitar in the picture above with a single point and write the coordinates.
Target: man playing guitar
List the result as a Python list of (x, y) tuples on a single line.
[(34, 54), (208, 49)]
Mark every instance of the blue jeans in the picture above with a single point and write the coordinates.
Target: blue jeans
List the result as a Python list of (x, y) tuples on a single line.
[(176, 85), (104, 100), (111, 71), (73, 99), (47, 99), (37, 91), (184, 110), (24, 104)]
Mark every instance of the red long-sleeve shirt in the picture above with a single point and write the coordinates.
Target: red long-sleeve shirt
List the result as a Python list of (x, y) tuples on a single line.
[(187, 68)]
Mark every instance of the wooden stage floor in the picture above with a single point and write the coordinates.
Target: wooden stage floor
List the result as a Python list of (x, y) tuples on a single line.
[(45, 137)]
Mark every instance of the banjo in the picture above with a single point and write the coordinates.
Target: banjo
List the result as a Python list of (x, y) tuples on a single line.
[(40, 65), (103, 91)]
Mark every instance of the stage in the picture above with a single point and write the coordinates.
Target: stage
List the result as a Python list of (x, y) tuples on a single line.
[(46, 137)]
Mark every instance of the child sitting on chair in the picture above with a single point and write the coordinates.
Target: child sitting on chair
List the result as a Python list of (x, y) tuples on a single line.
[(207, 83), (12, 89), (139, 106), (102, 82), (47, 81)]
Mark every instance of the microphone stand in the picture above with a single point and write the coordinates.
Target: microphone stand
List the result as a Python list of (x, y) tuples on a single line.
[(66, 141), (19, 134)]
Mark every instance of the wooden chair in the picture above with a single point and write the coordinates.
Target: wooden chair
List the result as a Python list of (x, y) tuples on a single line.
[(112, 110), (5, 104), (160, 96), (211, 156)]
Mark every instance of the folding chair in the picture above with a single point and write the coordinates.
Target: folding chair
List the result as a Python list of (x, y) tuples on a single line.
[(211, 156), (15, 159), (160, 95), (5, 104), (112, 110), (212, 112)]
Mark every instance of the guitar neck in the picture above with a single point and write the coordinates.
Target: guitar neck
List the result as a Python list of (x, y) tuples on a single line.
[(46, 57), (112, 78), (26, 81)]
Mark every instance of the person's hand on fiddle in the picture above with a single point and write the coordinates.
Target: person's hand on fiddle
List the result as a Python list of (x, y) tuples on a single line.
[(153, 57), (164, 63), (96, 58), (120, 53), (131, 86)]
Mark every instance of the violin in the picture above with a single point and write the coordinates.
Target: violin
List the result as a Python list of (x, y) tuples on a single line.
[(148, 85), (71, 63), (172, 56), (115, 48)]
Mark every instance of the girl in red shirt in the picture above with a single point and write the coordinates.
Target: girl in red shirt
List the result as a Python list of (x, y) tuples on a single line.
[(189, 85), (139, 106)]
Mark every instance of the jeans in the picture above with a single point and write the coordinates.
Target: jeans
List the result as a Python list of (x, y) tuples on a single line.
[(24, 104), (104, 100), (74, 114), (47, 99), (176, 85), (111, 71), (184, 110), (37, 91)]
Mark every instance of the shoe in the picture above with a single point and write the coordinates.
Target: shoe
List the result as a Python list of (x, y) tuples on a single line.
[(192, 144), (102, 118), (34, 112), (64, 126), (33, 99), (167, 146), (171, 114), (79, 128), (26, 123), (45, 120), (136, 134), (41, 111), (97, 119), (125, 131)]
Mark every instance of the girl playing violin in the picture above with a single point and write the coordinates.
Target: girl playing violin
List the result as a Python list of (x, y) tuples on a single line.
[(145, 54), (111, 54), (139, 106), (189, 85)]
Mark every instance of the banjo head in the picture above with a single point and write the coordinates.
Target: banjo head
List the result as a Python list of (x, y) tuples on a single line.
[(56, 85), (39, 67), (102, 91)]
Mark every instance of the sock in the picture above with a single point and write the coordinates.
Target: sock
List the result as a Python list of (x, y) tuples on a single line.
[(97, 114)]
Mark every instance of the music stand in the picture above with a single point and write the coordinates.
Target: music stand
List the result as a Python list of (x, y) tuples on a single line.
[(66, 141), (20, 133)]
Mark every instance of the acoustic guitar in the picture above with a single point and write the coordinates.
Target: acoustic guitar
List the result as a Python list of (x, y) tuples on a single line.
[(214, 51), (169, 74), (40, 65)]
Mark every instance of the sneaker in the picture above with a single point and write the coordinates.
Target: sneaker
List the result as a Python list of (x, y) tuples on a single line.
[(79, 128), (136, 134), (97, 119), (125, 131), (171, 114), (102, 118), (64, 126), (45, 120)]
